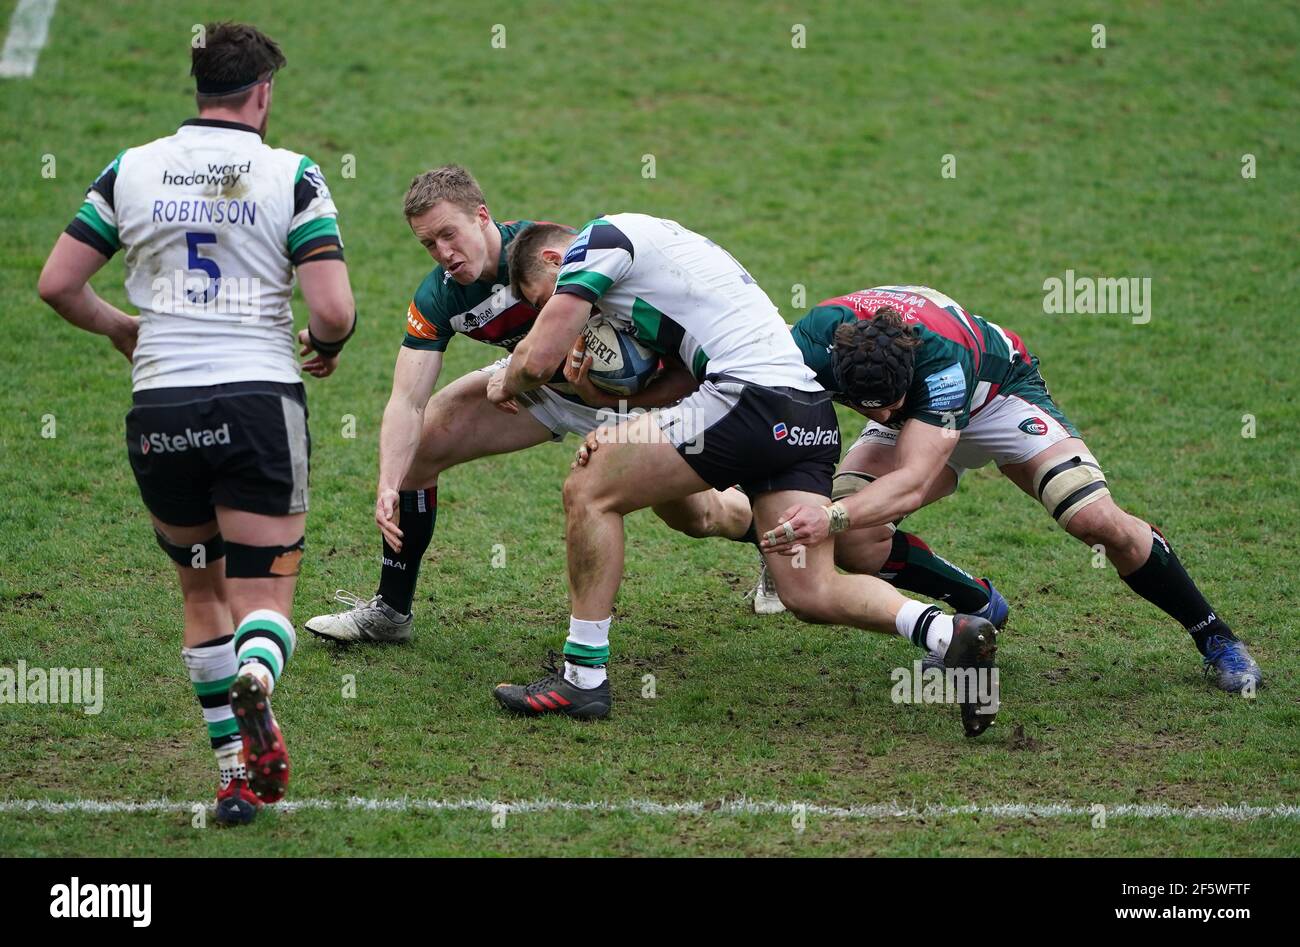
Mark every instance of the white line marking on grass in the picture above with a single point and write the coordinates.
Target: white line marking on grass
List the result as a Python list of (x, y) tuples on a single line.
[(876, 812), (29, 28)]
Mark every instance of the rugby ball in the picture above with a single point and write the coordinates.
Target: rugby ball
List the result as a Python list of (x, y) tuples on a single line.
[(619, 363)]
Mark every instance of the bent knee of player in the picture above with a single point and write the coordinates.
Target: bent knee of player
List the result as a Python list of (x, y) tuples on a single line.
[(424, 471), (805, 598), (1101, 523), (698, 520), (432, 457), (586, 491), (863, 551), (809, 610)]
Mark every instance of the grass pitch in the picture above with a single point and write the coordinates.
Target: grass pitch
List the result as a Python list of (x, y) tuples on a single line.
[(818, 167)]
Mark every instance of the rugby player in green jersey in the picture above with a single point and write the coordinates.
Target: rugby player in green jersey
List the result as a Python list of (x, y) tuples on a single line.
[(947, 391), (423, 434)]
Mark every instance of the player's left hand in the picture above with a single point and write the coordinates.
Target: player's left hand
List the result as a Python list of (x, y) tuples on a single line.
[(320, 366), (497, 394), (798, 526)]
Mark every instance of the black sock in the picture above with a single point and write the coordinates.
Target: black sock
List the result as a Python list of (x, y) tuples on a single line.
[(1163, 582), (401, 569), (913, 567)]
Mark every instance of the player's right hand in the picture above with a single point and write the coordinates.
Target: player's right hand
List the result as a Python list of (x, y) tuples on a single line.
[(320, 366), (124, 338), (387, 515), (577, 368)]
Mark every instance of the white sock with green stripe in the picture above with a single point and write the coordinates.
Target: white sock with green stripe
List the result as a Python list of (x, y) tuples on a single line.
[(586, 652), (212, 667), (264, 644)]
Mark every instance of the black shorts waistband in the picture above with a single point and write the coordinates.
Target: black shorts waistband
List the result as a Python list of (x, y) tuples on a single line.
[(192, 394), (794, 394)]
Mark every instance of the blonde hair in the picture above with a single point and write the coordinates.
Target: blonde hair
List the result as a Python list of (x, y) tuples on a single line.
[(450, 183)]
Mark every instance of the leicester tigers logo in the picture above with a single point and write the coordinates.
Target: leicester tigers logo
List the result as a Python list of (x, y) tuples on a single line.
[(1033, 426)]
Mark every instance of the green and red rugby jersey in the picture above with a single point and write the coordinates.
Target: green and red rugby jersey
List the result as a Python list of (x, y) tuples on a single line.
[(963, 361), (485, 310)]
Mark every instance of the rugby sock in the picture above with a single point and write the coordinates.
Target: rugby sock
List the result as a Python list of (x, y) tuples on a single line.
[(925, 626), (264, 643), (914, 567), (419, 511), (212, 667), (1163, 582), (586, 652)]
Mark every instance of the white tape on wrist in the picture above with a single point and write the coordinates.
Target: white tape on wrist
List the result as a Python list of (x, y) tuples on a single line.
[(839, 517)]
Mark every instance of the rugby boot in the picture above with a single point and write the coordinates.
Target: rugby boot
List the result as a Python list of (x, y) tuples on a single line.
[(236, 804), (265, 756), (552, 694), (766, 601), (974, 645), (1231, 665), (364, 621)]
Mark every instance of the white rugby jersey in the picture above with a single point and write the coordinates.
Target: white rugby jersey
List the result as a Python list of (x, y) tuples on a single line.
[(213, 221), (679, 292)]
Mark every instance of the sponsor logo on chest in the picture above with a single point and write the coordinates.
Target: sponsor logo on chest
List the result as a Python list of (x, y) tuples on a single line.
[(484, 312)]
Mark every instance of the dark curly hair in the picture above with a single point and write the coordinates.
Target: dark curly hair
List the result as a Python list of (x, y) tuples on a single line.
[(872, 358), (231, 57)]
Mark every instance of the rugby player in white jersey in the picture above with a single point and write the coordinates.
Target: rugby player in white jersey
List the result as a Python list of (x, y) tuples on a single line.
[(214, 223), (424, 435), (759, 419)]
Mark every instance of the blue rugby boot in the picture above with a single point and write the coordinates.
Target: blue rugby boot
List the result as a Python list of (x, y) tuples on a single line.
[(1233, 668)]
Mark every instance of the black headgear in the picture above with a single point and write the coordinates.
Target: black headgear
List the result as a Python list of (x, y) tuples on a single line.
[(874, 368), (214, 88)]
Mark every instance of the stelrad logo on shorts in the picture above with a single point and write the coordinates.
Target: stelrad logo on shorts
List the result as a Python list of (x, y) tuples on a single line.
[(805, 437), (190, 438)]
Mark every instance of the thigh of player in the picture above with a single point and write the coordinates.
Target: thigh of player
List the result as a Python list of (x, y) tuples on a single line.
[(228, 461), (636, 466), (800, 579), (460, 425), (259, 489), (1024, 434)]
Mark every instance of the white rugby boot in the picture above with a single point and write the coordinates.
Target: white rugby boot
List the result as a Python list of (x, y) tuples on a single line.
[(365, 621), (766, 601)]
